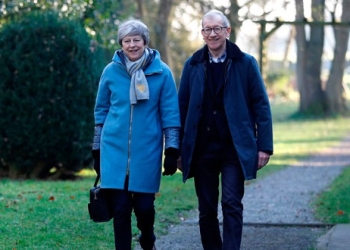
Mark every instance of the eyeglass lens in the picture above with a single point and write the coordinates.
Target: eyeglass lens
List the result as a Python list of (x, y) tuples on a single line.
[(216, 30)]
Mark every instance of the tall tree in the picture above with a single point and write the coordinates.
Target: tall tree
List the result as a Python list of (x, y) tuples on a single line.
[(309, 58), (334, 88), (317, 97)]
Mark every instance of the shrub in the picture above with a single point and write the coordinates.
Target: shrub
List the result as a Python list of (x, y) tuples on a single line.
[(279, 83), (49, 74)]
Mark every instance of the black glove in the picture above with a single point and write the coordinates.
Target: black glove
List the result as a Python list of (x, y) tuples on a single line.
[(170, 161), (96, 157)]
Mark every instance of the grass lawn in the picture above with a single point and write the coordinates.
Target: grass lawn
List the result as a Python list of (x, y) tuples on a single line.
[(296, 137), (333, 205), (53, 214)]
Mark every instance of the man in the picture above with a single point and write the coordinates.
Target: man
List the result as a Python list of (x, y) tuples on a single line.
[(226, 129)]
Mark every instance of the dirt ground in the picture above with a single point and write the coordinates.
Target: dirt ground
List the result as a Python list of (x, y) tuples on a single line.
[(255, 237), (278, 214)]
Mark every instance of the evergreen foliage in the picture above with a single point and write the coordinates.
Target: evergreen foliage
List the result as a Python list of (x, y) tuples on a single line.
[(49, 72)]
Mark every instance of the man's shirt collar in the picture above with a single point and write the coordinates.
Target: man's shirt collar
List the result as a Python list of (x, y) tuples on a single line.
[(217, 60)]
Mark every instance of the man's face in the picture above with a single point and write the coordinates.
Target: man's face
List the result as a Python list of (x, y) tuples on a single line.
[(214, 33)]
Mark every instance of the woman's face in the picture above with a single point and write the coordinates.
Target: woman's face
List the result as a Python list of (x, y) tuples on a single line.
[(133, 47)]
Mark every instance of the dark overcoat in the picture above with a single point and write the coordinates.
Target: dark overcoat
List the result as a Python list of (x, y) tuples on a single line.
[(246, 106)]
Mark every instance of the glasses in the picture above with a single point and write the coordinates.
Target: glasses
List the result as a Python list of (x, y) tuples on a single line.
[(217, 30)]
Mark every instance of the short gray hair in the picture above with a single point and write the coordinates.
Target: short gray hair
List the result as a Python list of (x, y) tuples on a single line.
[(211, 13), (133, 27)]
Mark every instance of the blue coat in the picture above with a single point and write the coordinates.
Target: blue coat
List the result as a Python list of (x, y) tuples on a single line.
[(132, 136), (246, 106)]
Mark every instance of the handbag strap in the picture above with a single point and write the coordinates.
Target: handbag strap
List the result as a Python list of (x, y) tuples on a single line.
[(97, 179)]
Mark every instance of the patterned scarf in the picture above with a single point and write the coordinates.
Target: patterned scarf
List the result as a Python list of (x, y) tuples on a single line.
[(139, 85)]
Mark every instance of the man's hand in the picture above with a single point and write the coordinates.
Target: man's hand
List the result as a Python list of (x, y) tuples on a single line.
[(263, 159)]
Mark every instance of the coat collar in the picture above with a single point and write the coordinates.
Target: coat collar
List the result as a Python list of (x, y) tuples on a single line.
[(154, 67), (232, 50)]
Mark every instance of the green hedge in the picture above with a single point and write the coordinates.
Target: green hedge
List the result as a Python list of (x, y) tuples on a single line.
[(49, 74)]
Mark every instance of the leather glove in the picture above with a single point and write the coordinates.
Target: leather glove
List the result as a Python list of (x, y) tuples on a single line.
[(170, 161), (96, 158)]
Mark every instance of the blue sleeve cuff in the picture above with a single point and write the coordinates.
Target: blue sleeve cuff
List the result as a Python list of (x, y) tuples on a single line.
[(172, 136), (97, 138)]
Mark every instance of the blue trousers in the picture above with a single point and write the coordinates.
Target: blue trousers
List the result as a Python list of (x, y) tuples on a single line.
[(122, 203), (213, 161)]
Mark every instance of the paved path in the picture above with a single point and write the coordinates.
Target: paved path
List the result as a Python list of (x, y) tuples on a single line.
[(285, 196), (277, 209)]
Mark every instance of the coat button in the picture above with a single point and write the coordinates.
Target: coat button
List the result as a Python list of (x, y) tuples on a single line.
[(214, 112), (208, 128)]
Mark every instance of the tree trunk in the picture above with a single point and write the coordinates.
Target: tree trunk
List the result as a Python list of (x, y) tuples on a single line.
[(334, 89), (156, 17), (234, 21), (140, 10), (301, 48), (161, 28), (309, 60)]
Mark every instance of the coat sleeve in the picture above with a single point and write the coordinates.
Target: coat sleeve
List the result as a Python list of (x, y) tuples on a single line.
[(184, 95), (102, 104), (261, 109)]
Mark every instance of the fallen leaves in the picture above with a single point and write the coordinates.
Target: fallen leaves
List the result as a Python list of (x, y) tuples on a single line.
[(340, 212)]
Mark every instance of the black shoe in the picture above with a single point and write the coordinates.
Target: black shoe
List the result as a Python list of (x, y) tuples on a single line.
[(153, 248), (146, 245)]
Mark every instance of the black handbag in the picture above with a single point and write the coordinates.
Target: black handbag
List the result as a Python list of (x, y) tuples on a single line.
[(99, 210)]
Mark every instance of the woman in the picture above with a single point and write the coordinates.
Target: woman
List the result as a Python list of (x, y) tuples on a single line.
[(136, 105)]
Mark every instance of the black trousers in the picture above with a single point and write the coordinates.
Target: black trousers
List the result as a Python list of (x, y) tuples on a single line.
[(122, 203), (215, 160)]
